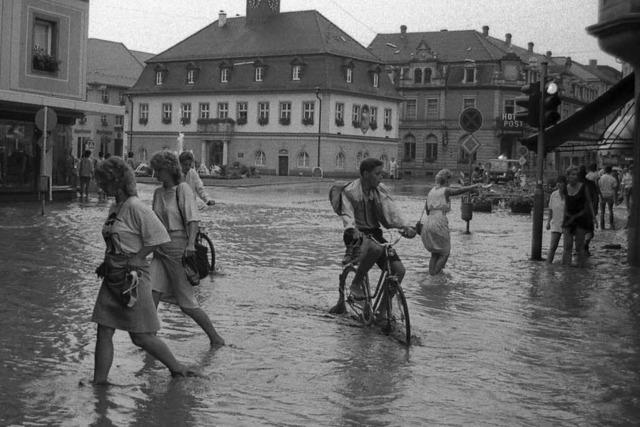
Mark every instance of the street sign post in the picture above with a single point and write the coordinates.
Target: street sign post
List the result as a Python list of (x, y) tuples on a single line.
[(46, 120), (470, 145), (470, 119)]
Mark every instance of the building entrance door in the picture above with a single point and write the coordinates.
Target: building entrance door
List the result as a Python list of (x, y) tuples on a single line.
[(215, 153), (283, 165)]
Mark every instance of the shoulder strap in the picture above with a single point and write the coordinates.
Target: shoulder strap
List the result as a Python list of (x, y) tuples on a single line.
[(186, 229)]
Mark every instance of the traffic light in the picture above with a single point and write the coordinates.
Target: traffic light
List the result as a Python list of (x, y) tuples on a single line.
[(550, 104), (530, 103)]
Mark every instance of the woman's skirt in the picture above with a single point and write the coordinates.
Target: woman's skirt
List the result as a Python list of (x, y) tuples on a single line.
[(435, 234), (167, 273), (111, 307)]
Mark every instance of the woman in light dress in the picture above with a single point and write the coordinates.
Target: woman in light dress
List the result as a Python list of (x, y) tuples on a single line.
[(556, 215), (435, 232)]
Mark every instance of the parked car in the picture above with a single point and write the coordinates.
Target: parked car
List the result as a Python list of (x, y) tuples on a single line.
[(143, 170)]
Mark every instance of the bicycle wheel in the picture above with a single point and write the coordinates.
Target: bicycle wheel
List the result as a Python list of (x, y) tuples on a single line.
[(396, 317), (361, 308), (212, 250)]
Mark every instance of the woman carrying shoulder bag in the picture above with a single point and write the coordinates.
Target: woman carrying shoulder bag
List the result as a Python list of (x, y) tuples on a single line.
[(177, 211)]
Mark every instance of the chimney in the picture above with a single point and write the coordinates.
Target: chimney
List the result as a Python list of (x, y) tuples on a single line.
[(507, 39), (593, 63), (485, 30), (549, 54), (222, 18), (530, 47), (403, 29)]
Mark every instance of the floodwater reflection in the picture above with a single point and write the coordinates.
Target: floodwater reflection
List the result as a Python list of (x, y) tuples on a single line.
[(500, 340)]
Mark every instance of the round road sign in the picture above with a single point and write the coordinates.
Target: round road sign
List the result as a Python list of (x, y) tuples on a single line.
[(470, 119)]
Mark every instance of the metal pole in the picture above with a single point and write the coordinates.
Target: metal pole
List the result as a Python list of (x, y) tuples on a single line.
[(319, 121), (538, 195), (43, 166), (633, 237)]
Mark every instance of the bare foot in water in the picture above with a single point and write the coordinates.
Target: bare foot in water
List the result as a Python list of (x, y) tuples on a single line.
[(186, 372), (217, 342)]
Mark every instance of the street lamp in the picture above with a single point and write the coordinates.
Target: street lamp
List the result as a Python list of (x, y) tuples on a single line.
[(319, 121)]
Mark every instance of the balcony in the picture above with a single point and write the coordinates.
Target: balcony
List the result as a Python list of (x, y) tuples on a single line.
[(223, 127)]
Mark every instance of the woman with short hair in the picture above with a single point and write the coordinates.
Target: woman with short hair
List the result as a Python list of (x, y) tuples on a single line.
[(124, 301), (435, 232), (175, 205)]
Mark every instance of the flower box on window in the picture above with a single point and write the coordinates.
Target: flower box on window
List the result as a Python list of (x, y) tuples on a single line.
[(339, 122), (185, 121), (262, 121), (373, 125), (388, 127), (285, 121), (42, 61), (307, 121), (241, 121), (356, 123), (143, 121), (166, 120)]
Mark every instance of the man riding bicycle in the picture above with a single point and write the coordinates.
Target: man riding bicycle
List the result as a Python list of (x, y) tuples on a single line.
[(366, 206)]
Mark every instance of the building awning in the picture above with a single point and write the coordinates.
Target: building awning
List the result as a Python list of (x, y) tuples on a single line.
[(569, 129), (21, 105)]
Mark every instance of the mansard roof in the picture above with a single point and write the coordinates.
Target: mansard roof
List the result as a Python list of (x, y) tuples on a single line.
[(291, 33), (448, 46)]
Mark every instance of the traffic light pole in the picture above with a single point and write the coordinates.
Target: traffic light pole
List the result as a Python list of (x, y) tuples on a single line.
[(538, 195)]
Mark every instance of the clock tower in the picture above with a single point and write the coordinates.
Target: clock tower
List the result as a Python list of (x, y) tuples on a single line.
[(259, 11)]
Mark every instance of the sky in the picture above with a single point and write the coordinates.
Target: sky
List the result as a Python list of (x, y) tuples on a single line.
[(557, 25)]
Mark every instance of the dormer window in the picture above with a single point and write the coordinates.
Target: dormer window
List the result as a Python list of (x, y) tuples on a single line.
[(224, 75), (469, 75), (417, 75), (297, 68), (161, 74), (259, 74), (349, 75), (376, 79), (427, 75), (296, 72), (192, 73)]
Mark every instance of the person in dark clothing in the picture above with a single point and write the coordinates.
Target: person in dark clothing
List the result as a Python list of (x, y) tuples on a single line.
[(578, 218), (590, 180)]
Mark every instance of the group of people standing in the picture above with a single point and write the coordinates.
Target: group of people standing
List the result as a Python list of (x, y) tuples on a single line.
[(133, 286), (573, 208)]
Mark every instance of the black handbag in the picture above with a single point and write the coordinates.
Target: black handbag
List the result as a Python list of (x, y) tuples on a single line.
[(196, 265)]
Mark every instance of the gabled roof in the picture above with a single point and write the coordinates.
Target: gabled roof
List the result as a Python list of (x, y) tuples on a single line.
[(290, 33), (111, 63), (142, 57), (449, 46)]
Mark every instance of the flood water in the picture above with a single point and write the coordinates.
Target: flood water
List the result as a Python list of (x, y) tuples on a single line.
[(498, 339)]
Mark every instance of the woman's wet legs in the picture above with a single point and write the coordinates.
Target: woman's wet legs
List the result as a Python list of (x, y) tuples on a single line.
[(103, 358), (201, 318)]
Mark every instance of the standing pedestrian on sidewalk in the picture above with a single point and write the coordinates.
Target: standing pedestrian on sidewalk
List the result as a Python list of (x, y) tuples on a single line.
[(131, 232), (174, 203), (556, 215), (85, 171), (608, 186)]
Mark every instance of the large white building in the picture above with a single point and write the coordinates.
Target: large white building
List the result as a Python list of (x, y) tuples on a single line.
[(284, 92)]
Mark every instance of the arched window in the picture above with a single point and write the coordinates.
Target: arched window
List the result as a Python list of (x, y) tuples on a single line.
[(427, 75), (340, 160), (431, 149), (142, 154), (417, 75), (303, 159), (261, 158), (385, 162), (409, 144)]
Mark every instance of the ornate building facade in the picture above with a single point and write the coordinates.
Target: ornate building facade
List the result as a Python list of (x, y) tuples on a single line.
[(288, 93)]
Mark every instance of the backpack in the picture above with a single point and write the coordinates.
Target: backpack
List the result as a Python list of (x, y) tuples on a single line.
[(335, 196)]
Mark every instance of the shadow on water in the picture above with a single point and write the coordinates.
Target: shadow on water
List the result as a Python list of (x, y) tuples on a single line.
[(501, 340)]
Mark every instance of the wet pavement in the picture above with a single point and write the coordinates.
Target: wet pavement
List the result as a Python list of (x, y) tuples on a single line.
[(498, 339)]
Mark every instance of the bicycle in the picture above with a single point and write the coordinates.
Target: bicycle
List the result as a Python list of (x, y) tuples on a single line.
[(387, 305)]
